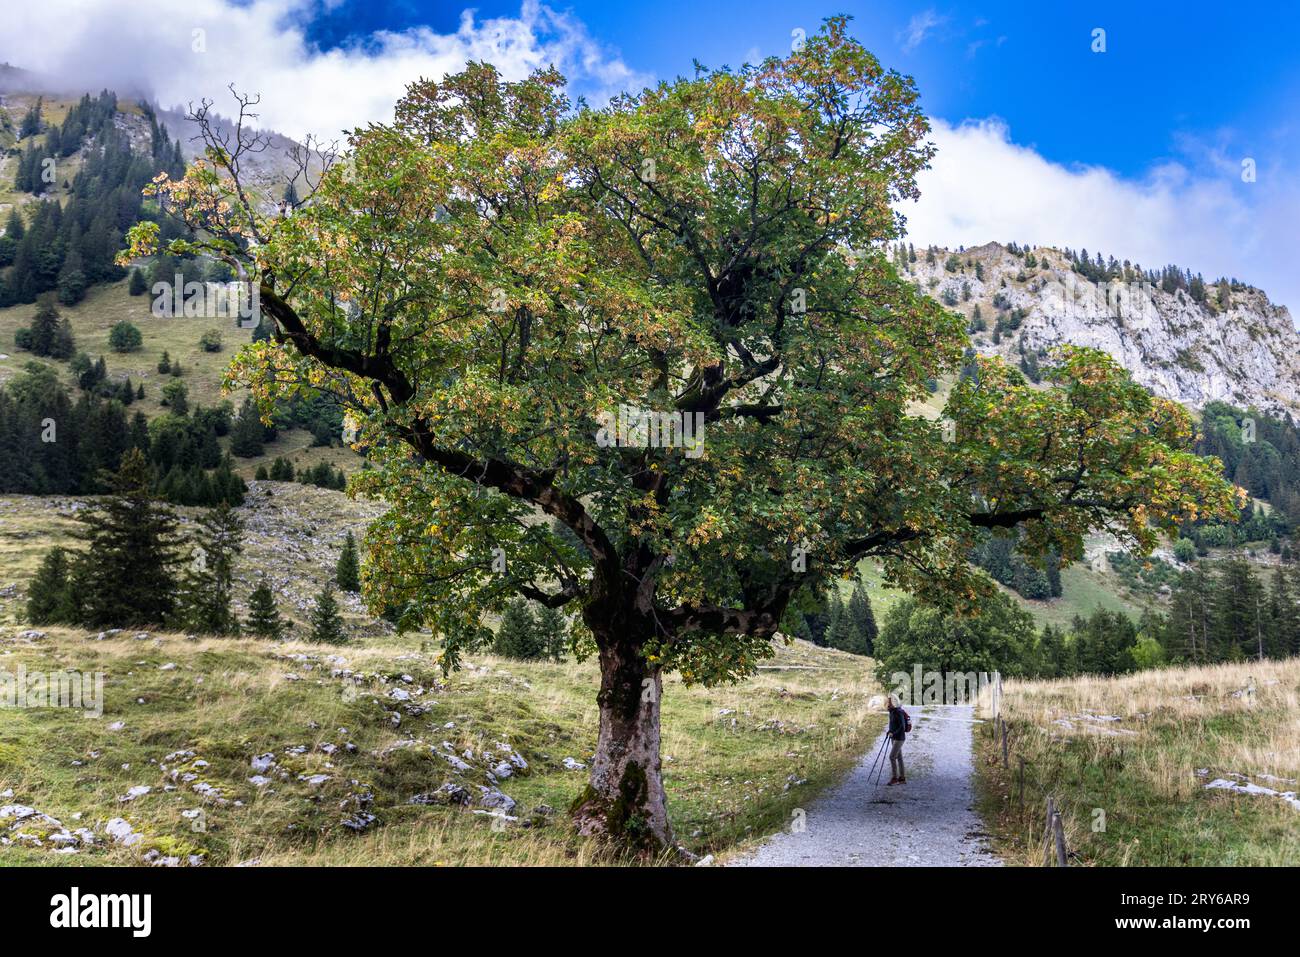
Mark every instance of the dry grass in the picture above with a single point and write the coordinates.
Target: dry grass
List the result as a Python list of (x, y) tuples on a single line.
[(730, 777), (1133, 790)]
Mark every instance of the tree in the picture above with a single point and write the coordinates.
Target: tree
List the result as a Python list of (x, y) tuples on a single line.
[(176, 397), (1000, 638), (862, 622), (208, 580), (138, 285), (124, 576), (347, 573), (552, 632), (263, 617), (247, 434), (517, 634), (31, 122), (326, 624), (49, 597), (49, 334), (125, 337), (165, 364), (585, 262), (281, 470)]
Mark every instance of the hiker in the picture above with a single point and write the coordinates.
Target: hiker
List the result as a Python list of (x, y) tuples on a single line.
[(897, 734)]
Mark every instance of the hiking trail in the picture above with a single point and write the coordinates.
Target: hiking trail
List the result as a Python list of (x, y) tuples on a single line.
[(929, 821)]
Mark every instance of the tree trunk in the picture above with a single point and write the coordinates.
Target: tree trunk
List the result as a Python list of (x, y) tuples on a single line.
[(624, 798)]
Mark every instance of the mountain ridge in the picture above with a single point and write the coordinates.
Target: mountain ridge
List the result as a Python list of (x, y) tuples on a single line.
[(1233, 345)]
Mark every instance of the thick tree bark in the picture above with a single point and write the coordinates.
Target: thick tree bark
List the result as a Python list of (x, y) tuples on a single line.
[(624, 798)]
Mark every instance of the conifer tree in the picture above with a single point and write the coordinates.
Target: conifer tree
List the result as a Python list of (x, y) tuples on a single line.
[(835, 619), (247, 434), (31, 122), (263, 617), (326, 624), (49, 598), (517, 634), (347, 574), (208, 580), (125, 575), (862, 622), (552, 633)]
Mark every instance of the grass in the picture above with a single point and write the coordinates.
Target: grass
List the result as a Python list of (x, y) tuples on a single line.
[(1132, 791), (104, 306), (731, 778), (1083, 591), (293, 536), (737, 759)]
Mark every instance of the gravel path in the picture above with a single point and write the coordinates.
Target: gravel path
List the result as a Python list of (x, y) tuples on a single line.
[(928, 821)]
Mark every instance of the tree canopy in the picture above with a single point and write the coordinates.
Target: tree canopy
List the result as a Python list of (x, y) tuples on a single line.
[(484, 283)]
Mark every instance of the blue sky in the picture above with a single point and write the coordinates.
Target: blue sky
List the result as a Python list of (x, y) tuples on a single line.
[(1136, 151), (1223, 73)]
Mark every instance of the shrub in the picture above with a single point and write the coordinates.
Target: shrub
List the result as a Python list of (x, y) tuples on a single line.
[(125, 337)]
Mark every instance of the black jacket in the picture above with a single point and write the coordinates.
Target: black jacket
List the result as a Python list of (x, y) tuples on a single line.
[(897, 727)]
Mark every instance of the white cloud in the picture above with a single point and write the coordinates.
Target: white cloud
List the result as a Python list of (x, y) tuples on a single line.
[(150, 46), (982, 187), (918, 27)]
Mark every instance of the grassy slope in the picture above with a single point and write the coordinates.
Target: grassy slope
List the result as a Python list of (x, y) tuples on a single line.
[(105, 306), (54, 110), (728, 776), (228, 700), (1178, 730)]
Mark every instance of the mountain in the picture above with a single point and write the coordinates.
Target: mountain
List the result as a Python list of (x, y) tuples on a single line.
[(1181, 337)]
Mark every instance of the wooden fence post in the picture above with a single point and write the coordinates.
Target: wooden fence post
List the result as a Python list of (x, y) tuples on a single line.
[(1047, 832), (1058, 828)]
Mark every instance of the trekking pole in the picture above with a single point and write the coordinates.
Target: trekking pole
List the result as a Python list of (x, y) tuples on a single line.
[(880, 769), (876, 761)]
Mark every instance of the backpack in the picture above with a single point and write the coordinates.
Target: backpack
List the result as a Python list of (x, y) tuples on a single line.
[(907, 720)]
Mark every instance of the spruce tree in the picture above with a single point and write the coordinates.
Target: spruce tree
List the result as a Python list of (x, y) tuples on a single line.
[(138, 285), (326, 625), (31, 122), (263, 618), (281, 470), (49, 597), (125, 575), (45, 329), (347, 574), (862, 623), (247, 434), (208, 580), (836, 619), (552, 633), (517, 634)]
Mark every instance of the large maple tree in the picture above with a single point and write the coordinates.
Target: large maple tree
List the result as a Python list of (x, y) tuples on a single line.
[(483, 281)]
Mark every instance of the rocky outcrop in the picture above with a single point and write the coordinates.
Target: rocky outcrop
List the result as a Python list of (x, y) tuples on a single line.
[(1245, 352)]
